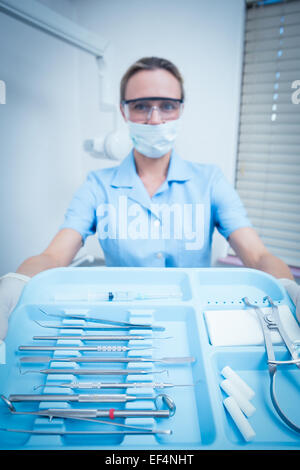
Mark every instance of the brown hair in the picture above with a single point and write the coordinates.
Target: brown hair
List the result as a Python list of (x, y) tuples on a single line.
[(150, 63)]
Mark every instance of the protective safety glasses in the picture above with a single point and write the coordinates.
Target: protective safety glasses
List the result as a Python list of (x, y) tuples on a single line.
[(140, 109)]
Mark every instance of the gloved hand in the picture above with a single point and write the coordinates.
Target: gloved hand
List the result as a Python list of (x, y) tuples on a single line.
[(11, 287), (293, 289)]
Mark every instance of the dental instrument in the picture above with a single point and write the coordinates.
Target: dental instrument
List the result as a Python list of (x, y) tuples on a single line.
[(92, 415), (95, 327), (163, 360), (84, 348), (119, 296), (275, 322), (80, 398), (93, 371), (95, 337), (111, 413), (267, 322), (115, 385), (78, 316), (53, 432)]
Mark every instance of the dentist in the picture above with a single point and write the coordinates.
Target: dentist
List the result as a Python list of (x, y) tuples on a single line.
[(154, 209)]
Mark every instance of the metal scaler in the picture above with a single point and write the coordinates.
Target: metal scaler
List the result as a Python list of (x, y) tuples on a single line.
[(111, 348), (53, 432), (92, 371), (114, 385), (94, 337), (124, 360)]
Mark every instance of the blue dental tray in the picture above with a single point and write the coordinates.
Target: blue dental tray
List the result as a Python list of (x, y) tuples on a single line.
[(200, 421)]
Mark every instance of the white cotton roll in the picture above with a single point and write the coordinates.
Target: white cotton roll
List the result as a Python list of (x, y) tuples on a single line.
[(230, 374), (241, 400), (239, 418)]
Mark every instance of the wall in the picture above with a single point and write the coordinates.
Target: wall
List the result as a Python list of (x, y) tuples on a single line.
[(204, 38)]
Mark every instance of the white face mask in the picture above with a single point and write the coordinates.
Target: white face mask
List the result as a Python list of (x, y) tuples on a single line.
[(153, 140)]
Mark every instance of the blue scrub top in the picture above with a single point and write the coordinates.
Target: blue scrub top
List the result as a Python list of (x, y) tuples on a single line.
[(174, 228)]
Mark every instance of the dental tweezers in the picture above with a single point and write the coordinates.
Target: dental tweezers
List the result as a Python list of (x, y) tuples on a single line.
[(96, 327), (75, 316), (267, 322)]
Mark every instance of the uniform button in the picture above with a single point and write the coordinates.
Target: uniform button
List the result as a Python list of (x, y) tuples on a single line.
[(159, 255)]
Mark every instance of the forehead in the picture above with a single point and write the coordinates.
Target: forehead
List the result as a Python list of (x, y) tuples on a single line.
[(157, 82)]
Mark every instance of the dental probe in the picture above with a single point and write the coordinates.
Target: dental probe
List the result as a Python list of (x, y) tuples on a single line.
[(93, 371), (95, 337), (163, 360), (105, 385), (84, 348), (52, 432)]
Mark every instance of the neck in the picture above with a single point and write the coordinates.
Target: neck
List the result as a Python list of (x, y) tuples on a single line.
[(152, 167)]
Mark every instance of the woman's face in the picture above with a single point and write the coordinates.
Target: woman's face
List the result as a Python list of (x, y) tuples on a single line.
[(149, 83)]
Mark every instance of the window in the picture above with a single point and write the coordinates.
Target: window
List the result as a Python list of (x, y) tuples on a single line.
[(268, 162)]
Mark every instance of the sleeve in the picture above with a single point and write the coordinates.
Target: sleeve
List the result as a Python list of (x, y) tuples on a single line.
[(81, 213), (228, 210)]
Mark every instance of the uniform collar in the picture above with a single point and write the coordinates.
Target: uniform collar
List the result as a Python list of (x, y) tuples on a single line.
[(179, 169), (125, 176)]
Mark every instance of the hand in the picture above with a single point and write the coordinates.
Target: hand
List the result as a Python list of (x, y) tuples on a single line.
[(293, 289), (11, 287)]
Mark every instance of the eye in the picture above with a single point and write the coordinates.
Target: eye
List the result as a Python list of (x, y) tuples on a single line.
[(140, 106), (169, 106)]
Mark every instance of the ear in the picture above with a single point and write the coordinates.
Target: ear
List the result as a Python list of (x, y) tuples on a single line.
[(122, 112)]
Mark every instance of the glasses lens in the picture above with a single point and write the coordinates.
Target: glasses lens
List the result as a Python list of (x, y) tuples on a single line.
[(140, 110)]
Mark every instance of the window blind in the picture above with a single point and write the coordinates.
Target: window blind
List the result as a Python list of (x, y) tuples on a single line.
[(268, 161)]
